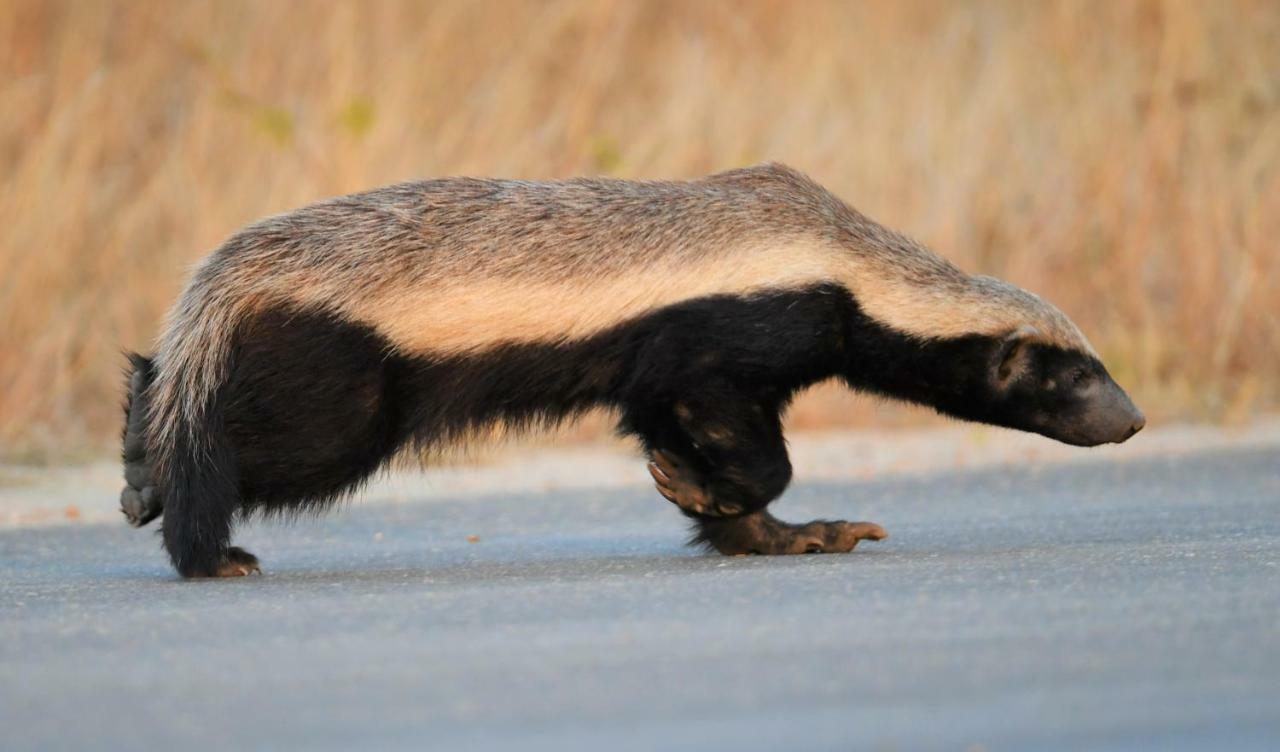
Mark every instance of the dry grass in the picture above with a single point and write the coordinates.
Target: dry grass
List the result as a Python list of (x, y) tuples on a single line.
[(1122, 158)]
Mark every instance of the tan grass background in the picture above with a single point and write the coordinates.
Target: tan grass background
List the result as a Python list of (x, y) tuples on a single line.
[(1122, 158)]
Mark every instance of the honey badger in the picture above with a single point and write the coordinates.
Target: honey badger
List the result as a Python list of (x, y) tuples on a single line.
[(313, 346)]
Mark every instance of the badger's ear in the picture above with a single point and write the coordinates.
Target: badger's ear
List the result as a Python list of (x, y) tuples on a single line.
[(1013, 357)]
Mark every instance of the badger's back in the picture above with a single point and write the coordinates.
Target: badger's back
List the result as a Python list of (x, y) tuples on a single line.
[(443, 268)]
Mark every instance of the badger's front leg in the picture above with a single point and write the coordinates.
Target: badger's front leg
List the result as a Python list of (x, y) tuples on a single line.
[(721, 458), (755, 532)]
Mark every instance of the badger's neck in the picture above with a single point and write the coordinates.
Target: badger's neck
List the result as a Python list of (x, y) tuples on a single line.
[(883, 360), (905, 288), (781, 341)]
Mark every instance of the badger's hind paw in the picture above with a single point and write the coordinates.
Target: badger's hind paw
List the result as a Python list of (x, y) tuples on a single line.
[(238, 563), (762, 533), (683, 486), (140, 506)]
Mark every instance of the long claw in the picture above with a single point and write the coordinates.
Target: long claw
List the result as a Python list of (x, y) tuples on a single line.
[(666, 463), (676, 487), (869, 531)]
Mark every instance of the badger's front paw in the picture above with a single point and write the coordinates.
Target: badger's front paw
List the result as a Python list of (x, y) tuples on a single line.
[(683, 486), (762, 533)]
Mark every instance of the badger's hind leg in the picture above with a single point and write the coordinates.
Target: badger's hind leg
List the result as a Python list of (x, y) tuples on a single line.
[(313, 408), (308, 411), (200, 482)]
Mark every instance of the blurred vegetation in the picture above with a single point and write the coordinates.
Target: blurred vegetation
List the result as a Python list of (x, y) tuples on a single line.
[(1121, 158)]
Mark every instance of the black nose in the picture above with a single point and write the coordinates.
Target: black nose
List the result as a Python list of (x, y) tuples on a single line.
[(1138, 424)]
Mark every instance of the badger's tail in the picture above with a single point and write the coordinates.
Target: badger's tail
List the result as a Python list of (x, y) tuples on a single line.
[(139, 501)]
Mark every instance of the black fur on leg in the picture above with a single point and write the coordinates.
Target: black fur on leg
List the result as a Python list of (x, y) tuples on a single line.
[(718, 457), (140, 501), (202, 496), (309, 409)]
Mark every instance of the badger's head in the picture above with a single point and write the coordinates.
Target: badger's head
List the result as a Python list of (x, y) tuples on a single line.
[(1039, 374), (1061, 392)]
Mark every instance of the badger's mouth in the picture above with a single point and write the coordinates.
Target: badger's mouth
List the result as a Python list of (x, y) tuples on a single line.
[(1089, 439)]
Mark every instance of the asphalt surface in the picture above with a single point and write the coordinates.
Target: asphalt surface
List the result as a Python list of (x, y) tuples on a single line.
[(1105, 606)]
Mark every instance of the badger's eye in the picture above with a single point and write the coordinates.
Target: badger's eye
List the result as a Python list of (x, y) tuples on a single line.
[(1080, 376)]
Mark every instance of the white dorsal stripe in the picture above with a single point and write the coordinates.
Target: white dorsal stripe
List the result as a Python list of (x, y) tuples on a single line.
[(453, 317)]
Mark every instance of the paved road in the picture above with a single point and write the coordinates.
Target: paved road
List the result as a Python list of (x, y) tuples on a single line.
[(1109, 606)]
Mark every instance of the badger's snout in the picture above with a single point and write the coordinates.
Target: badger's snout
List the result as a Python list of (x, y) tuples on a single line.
[(1111, 417), (1139, 420)]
